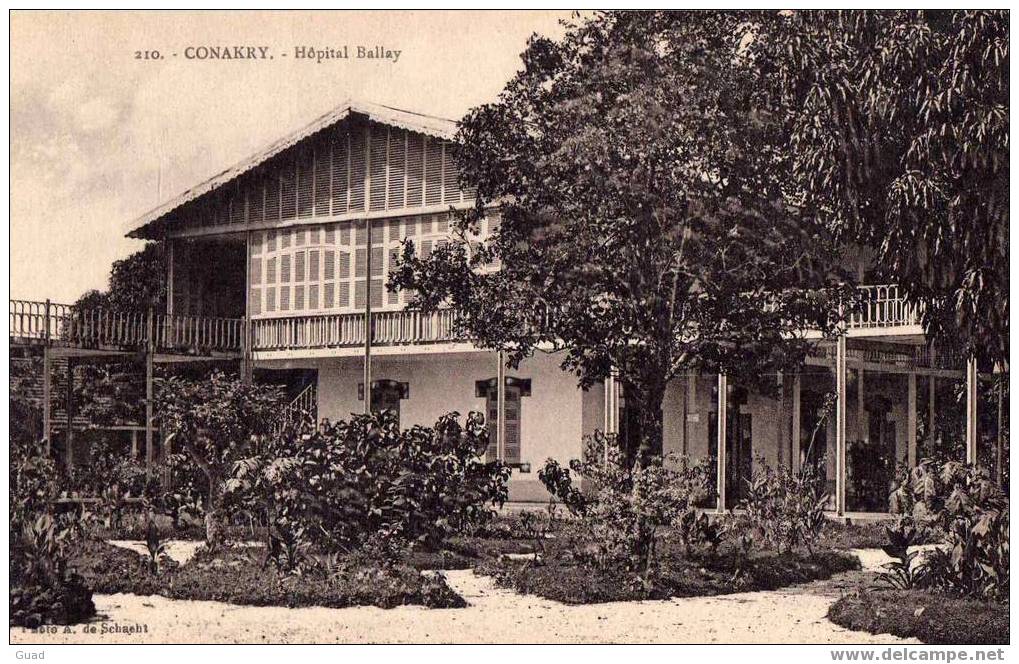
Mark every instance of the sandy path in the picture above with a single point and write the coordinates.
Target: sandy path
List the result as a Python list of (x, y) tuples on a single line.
[(791, 615)]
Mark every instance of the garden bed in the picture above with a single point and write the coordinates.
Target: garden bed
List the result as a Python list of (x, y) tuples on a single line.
[(699, 575), (929, 617), (237, 575)]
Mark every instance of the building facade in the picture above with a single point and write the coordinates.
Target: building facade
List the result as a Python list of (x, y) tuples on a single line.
[(298, 241)]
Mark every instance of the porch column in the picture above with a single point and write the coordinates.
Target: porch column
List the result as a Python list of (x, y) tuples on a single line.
[(500, 407), (794, 437), (368, 315), (149, 415), (723, 406), (247, 372), (840, 425), (69, 409), (911, 421), (47, 369), (971, 410)]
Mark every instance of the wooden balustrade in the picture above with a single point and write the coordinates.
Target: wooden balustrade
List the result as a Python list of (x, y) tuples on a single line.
[(94, 327), (879, 306), (347, 330)]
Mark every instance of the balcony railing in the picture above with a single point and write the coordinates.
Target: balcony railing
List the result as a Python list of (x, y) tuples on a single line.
[(347, 330), (99, 328), (62, 324), (883, 306)]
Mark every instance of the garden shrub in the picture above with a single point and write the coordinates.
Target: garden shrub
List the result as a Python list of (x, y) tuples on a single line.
[(628, 506), (364, 482), (964, 505), (44, 590), (785, 509)]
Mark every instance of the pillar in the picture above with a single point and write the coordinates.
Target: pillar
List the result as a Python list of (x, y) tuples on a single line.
[(368, 317), (500, 406), (46, 378), (149, 395), (911, 421), (794, 437), (840, 425), (971, 410), (69, 409), (723, 407)]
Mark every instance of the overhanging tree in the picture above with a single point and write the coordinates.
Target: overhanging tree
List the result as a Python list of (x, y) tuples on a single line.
[(218, 420), (900, 139), (638, 171)]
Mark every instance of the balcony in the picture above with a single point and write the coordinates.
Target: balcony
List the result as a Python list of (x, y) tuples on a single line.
[(67, 326), (882, 310), (390, 328)]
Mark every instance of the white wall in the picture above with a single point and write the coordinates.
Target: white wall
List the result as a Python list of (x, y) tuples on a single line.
[(551, 418)]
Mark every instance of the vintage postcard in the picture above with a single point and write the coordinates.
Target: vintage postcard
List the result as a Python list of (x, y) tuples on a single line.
[(511, 327)]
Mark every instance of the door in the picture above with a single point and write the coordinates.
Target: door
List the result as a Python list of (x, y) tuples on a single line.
[(511, 444), (739, 453)]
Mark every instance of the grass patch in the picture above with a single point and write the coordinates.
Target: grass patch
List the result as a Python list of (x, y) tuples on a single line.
[(930, 617), (572, 582), (236, 575)]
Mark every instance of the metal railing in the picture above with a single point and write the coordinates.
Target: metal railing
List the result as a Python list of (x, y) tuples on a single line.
[(883, 306), (347, 330)]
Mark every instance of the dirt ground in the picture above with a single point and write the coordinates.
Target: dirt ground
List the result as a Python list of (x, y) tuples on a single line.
[(495, 615)]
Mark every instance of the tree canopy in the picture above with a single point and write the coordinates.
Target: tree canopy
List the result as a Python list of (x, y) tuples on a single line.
[(899, 139), (642, 228), (136, 283)]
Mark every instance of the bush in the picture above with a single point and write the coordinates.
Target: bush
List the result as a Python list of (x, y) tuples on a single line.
[(629, 505), (238, 575), (783, 508), (931, 618), (345, 485), (565, 581), (969, 511), (43, 589)]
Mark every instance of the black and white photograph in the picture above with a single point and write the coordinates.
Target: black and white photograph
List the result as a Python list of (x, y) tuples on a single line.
[(510, 327)]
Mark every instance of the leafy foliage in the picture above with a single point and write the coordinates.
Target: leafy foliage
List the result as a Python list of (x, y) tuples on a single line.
[(970, 513), (44, 590), (899, 132), (904, 571), (135, 283), (629, 504), (364, 482), (784, 508), (632, 169), (218, 420)]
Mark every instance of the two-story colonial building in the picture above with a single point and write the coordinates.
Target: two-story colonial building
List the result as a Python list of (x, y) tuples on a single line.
[(299, 239)]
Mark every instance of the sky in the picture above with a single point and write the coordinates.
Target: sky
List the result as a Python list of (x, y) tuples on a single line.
[(100, 136)]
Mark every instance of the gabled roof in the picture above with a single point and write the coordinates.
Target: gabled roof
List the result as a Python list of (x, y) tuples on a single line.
[(424, 124)]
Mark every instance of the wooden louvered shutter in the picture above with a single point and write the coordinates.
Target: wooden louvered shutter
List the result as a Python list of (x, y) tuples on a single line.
[(340, 171), (415, 169), (272, 197), (511, 444), (433, 172), (450, 184), (357, 169), (397, 168), (256, 200), (288, 189), (379, 154), (323, 175), (305, 183)]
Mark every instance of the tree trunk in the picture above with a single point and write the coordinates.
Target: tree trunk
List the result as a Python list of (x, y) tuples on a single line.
[(644, 436), (213, 517)]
